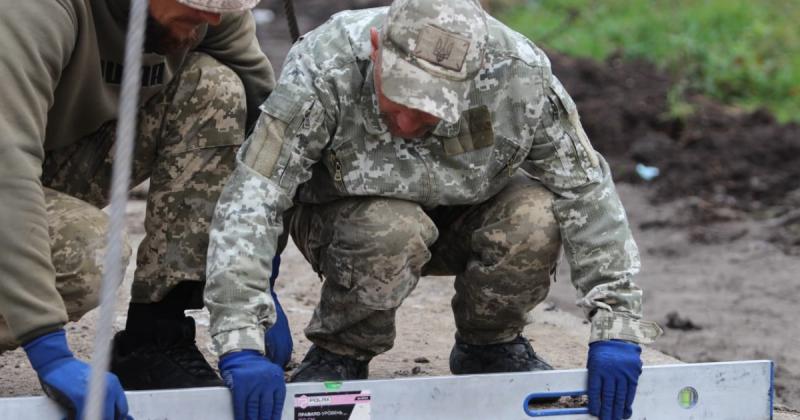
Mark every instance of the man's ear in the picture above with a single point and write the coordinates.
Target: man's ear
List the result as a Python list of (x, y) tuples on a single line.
[(375, 39)]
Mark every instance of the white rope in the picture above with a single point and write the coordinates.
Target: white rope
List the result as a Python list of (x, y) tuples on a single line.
[(120, 183)]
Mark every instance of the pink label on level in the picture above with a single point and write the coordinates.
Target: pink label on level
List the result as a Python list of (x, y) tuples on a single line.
[(304, 401)]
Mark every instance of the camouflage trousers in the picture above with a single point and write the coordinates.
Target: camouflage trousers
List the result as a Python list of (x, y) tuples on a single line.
[(187, 140), (372, 252)]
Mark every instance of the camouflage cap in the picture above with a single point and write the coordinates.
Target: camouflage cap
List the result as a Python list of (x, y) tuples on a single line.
[(220, 6), (430, 51)]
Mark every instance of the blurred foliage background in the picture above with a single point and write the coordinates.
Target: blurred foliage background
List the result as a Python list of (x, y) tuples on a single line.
[(742, 52)]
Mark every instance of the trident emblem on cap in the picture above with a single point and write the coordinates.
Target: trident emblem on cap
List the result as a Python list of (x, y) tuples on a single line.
[(443, 49)]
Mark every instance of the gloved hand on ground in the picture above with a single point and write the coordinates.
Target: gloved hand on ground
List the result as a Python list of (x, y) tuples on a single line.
[(65, 379), (257, 385), (278, 339), (614, 369)]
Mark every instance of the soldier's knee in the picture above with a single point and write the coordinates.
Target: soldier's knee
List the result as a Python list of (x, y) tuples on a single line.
[(217, 85), (80, 289), (394, 226), (527, 217), (537, 210), (519, 238), (78, 248)]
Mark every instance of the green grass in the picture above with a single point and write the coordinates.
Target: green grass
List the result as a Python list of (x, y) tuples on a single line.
[(744, 53)]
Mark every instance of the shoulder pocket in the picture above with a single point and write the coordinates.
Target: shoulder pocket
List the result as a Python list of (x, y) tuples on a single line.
[(302, 144), (568, 116), (283, 145), (561, 155), (282, 104), (566, 158)]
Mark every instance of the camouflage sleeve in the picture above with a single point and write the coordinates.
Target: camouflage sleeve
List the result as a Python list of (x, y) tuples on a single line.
[(599, 247), (277, 157)]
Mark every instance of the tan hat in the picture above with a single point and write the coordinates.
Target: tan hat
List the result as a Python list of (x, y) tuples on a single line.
[(220, 6), (430, 52)]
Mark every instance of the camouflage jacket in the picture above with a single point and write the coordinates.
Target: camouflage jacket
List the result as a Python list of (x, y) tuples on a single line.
[(321, 137)]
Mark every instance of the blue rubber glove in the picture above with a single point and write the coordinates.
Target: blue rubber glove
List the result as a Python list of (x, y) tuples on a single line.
[(257, 385), (65, 379), (614, 368), (278, 339)]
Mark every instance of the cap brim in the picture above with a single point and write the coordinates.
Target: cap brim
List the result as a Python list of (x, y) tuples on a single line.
[(220, 6), (408, 85)]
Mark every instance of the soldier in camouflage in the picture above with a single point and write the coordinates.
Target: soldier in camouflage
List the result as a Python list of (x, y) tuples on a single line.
[(203, 77), (426, 139)]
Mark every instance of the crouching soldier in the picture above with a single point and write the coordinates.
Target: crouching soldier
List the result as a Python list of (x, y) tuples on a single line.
[(426, 139)]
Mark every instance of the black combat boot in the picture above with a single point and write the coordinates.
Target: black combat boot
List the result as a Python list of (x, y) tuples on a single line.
[(165, 358), (320, 365), (515, 356)]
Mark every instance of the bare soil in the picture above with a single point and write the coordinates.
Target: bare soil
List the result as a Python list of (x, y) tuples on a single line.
[(734, 164), (718, 230)]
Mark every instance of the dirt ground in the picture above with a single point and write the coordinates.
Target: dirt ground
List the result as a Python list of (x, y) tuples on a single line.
[(718, 229)]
